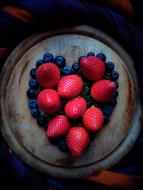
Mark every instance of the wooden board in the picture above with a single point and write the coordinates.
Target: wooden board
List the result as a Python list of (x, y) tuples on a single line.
[(25, 137)]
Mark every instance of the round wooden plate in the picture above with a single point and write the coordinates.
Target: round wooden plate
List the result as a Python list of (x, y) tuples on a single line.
[(28, 140)]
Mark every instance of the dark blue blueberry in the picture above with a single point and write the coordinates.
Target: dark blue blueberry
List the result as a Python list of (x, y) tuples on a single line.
[(48, 57), (67, 70), (62, 145), (35, 112), (110, 66), (117, 84), (116, 94), (60, 61), (76, 67), (41, 120), (32, 103), (81, 58), (101, 56), (92, 136), (31, 93), (39, 62), (107, 110), (33, 73), (113, 102), (90, 54), (114, 75), (106, 119), (33, 83)]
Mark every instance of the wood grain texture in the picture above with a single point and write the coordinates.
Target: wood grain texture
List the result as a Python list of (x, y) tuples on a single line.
[(28, 140)]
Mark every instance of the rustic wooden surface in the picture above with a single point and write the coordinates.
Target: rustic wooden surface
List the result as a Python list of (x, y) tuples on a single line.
[(28, 140)]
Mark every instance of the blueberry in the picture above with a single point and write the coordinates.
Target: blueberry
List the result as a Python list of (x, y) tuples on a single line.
[(35, 112), (114, 75), (31, 93), (92, 136), (62, 145), (33, 83), (76, 67), (117, 84), (39, 62), (33, 73), (107, 110), (32, 103), (115, 94), (60, 61), (101, 56), (110, 66), (90, 54), (48, 57), (113, 102), (106, 119), (42, 120), (66, 70), (81, 58)]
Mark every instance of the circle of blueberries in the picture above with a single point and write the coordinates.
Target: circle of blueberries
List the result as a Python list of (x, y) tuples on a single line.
[(60, 61)]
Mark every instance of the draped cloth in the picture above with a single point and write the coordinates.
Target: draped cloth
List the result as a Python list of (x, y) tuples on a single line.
[(122, 20)]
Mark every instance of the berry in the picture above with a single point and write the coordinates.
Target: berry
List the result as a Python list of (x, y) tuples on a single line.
[(93, 119), (90, 54), (110, 66), (112, 102), (49, 101), (92, 136), (60, 61), (47, 58), (114, 75), (116, 94), (33, 73), (67, 70), (75, 108), (62, 145), (48, 75), (58, 127), (81, 58), (41, 120), (39, 62), (77, 140), (103, 90), (106, 119), (70, 86), (101, 56), (93, 68), (33, 83), (32, 103), (31, 93), (76, 67), (35, 112), (107, 110)]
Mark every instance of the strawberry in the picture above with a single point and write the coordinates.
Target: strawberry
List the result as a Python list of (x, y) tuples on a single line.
[(49, 101), (48, 75), (75, 108), (93, 119), (103, 90), (58, 127), (92, 68), (77, 140), (70, 86)]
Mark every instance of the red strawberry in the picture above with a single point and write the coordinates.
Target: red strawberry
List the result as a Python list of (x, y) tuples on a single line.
[(49, 101), (93, 119), (75, 108), (103, 90), (93, 68), (48, 75), (58, 126), (77, 140), (70, 86)]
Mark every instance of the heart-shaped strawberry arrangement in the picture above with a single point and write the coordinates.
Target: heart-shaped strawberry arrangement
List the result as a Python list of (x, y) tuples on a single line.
[(73, 102)]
